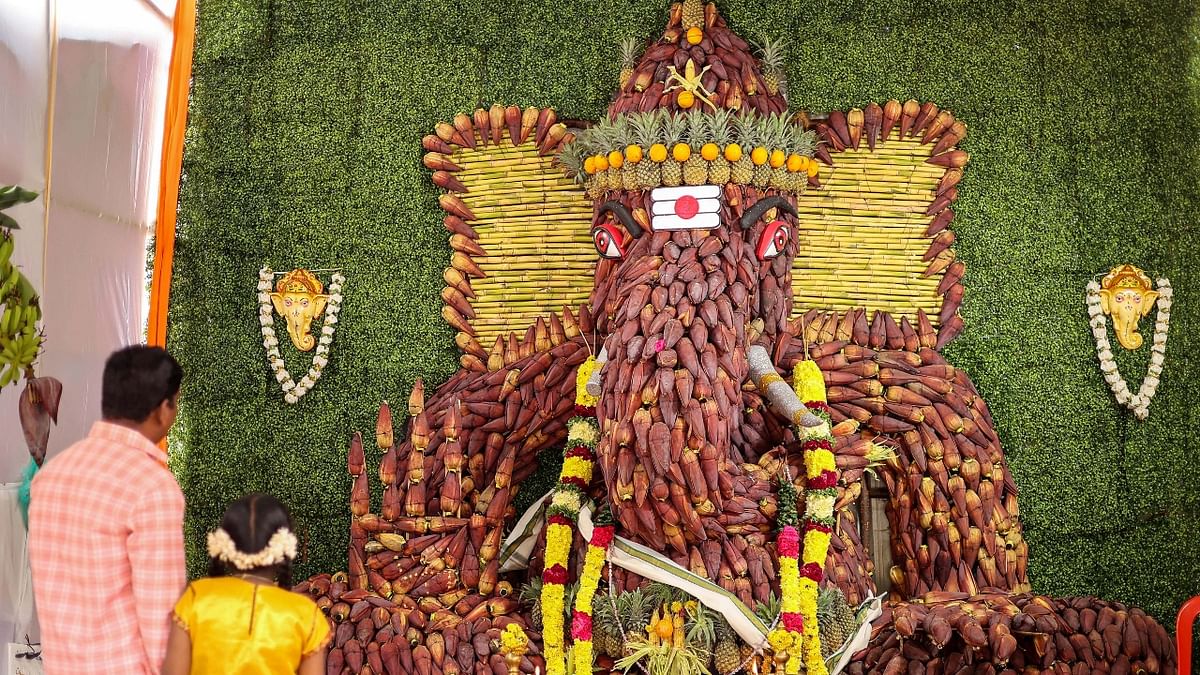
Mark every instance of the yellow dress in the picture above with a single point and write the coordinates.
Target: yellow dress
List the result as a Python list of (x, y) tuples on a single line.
[(241, 627)]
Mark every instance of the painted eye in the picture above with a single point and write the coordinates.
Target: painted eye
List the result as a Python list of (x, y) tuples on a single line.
[(774, 240), (609, 241)]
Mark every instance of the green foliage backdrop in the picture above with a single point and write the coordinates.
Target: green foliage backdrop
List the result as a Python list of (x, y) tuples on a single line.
[(303, 150)]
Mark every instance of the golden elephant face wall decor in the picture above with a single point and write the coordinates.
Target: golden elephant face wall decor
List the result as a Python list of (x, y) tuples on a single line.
[(299, 298), (1127, 295)]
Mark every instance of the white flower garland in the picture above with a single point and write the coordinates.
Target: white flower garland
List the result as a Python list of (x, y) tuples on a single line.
[(293, 391), (279, 549), (1139, 403)]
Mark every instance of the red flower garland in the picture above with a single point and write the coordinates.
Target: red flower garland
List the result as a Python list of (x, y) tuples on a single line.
[(555, 575), (813, 571)]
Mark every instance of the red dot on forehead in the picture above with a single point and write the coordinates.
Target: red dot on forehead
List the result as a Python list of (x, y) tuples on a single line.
[(686, 207)]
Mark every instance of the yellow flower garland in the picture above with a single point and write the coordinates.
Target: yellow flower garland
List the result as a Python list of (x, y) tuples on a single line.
[(809, 384), (582, 397), (552, 627), (589, 580), (575, 476)]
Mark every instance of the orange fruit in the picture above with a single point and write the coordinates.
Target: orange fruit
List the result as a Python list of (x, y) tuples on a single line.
[(759, 156), (601, 163), (615, 160), (695, 35), (794, 163), (681, 152), (633, 153), (710, 151), (813, 168), (777, 158), (686, 99), (733, 152), (589, 165), (658, 152)]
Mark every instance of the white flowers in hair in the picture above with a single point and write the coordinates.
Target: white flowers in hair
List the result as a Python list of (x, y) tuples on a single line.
[(1138, 402), (293, 391), (279, 549)]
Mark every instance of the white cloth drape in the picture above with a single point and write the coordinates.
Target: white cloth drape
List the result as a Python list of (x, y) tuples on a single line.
[(17, 617), (82, 98)]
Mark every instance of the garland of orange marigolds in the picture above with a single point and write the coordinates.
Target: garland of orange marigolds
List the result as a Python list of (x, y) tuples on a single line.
[(569, 495)]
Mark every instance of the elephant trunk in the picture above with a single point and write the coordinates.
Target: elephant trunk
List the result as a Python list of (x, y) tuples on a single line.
[(298, 329), (1127, 334), (676, 313)]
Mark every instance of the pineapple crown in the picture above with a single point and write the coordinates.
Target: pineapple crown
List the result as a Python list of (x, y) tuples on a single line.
[(718, 136), (699, 86)]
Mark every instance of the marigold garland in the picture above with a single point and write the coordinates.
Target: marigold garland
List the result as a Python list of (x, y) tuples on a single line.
[(799, 584), (589, 580), (569, 495)]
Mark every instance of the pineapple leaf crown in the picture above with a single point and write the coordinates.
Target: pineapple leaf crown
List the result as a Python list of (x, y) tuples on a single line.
[(710, 136), (701, 86)]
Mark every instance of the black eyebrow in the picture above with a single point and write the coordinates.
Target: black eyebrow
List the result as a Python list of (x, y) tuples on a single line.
[(763, 205), (622, 213)]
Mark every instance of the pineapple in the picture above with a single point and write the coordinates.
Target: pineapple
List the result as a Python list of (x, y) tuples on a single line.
[(605, 634), (801, 143), (779, 139), (693, 14), (726, 656), (673, 131), (633, 611), (746, 129), (835, 620), (645, 128), (768, 610), (619, 138), (531, 594), (719, 133), (608, 179), (695, 169), (629, 54), (571, 160), (771, 53), (700, 626)]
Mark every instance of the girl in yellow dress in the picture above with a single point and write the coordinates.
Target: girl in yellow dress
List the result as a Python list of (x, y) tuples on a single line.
[(242, 618)]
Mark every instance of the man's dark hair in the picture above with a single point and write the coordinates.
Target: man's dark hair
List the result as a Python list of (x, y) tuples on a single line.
[(136, 381)]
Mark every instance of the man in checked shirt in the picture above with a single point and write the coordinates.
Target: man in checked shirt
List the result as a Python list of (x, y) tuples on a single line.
[(106, 528)]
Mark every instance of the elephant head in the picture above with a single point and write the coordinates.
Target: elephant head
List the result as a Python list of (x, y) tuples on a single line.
[(698, 241), (299, 299), (1126, 295)]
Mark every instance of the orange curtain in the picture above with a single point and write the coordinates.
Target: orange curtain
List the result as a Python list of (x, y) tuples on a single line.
[(172, 161)]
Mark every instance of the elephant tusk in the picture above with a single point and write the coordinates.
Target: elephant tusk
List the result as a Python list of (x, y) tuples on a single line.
[(782, 397), (593, 383)]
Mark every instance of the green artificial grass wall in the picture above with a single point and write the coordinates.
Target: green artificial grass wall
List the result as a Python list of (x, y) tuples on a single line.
[(304, 150)]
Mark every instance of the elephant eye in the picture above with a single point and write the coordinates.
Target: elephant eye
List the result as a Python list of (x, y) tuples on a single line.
[(609, 241), (774, 240)]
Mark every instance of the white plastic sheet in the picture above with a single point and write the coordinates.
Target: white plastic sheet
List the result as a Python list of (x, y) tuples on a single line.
[(16, 586), (106, 64)]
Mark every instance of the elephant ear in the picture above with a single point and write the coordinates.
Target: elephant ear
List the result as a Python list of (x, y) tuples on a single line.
[(519, 233), (875, 261)]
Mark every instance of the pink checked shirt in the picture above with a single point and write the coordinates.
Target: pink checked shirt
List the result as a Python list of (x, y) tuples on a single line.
[(106, 549)]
